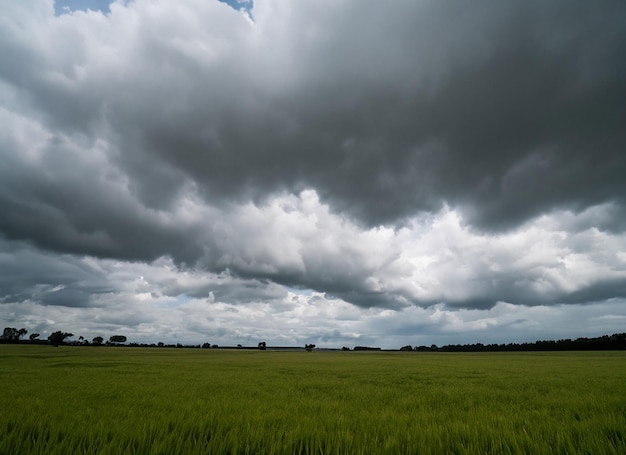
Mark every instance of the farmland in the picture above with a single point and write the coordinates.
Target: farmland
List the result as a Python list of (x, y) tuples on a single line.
[(143, 400)]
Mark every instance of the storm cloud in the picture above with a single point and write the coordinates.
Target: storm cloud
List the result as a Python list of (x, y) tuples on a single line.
[(421, 156)]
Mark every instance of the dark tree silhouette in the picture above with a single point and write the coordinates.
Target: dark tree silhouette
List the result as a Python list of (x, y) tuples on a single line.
[(97, 341), (617, 341), (33, 336), (13, 335), (366, 348), (58, 337), (262, 346), (9, 334), (309, 347), (117, 339)]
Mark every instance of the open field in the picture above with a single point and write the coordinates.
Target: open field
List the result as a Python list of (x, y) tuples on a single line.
[(141, 400)]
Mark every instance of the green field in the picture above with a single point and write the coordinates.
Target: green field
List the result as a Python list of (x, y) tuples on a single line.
[(105, 400)]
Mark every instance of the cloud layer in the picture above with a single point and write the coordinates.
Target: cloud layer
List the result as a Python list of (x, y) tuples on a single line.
[(417, 158)]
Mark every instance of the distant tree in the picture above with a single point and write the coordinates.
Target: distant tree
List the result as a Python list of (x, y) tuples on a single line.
[(215, 346), (10, 334), (309, 347), (160, 344), (206, 345), (117, 339), (58, 337), (239, 346), (97, 341), (262, 346), (408, 347), (33, 336), (365, 348)]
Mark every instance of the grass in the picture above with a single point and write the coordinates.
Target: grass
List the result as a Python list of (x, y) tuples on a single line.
[(164, 401)]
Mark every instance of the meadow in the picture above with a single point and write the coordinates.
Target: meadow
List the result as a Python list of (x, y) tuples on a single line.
[(106, 400)]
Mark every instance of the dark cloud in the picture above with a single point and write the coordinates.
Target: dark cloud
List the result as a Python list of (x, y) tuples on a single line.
[(601, 290), (29, 275), (386, 112), (523, 115), (226, 288), (62, 203), (528, 119)]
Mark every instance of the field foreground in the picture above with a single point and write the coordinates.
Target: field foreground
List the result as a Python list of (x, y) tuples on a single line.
[(164, 401)]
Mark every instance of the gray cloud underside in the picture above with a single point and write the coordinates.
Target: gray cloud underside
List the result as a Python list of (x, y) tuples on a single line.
[(507, 109), (169, 129)]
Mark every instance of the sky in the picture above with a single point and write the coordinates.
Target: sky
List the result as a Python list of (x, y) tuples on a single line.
[(332, 172)]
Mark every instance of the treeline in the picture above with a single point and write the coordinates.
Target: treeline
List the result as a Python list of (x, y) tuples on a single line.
[(613, 342), (13, 335), (616, 341)]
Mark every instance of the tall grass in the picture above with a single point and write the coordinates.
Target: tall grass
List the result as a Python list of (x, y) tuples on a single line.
[(164, 401)]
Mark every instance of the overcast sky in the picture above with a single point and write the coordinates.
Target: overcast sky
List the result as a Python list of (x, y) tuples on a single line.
[(332, 172)]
